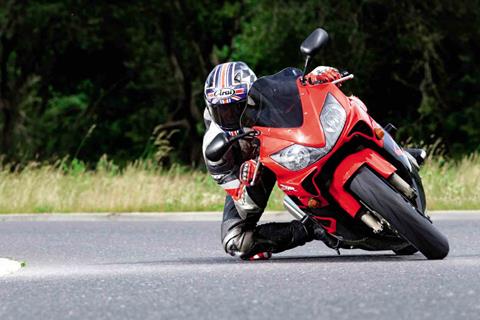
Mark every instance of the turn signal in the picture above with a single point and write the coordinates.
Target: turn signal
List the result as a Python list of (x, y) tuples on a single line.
[(313, 203), (379, 133)]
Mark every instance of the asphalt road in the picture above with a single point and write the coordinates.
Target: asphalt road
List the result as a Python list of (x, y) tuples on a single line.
[(135, 268)]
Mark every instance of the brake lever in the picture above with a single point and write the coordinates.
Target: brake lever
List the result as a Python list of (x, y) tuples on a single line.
[(253, 133), (349, 77), (257, 169)]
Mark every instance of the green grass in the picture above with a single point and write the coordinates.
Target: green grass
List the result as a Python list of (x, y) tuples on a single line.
[(141, 187), (452, 185)]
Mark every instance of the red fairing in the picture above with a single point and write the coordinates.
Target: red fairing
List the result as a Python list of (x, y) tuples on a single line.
[(304, 184), (330, 224), (346, 170), (309, 134)]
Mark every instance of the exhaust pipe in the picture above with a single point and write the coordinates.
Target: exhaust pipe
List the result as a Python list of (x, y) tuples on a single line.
[(372, 222), (293, 209)]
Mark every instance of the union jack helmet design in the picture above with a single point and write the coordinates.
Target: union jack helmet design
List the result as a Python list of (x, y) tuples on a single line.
[(226, 92)]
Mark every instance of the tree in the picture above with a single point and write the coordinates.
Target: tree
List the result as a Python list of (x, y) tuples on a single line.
[(84, 80)]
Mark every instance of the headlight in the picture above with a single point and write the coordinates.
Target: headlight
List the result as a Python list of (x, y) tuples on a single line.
[(333, 118), (297, 157)]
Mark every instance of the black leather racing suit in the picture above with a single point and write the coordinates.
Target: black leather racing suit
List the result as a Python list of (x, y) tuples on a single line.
[(241, 236)]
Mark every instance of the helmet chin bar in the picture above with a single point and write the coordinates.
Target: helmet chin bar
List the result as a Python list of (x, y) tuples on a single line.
[(228, 115)]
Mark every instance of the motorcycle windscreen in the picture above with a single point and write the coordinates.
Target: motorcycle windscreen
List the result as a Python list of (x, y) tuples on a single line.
[(274, 101)]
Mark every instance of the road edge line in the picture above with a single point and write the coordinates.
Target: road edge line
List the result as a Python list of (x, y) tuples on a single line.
[(182, 216)]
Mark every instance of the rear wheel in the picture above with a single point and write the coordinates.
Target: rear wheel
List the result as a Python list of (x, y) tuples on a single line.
[(410, 224)]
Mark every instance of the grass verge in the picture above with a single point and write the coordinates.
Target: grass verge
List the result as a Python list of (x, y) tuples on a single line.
[(141, 187)]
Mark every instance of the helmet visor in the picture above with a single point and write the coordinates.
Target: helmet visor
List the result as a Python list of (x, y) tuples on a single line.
[(228, 115)]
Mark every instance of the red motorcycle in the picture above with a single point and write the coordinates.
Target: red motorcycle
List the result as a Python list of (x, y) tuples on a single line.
[(336, 164)]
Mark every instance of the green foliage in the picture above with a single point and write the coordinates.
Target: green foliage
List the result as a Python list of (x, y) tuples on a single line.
[(125, 79), (74, 167)]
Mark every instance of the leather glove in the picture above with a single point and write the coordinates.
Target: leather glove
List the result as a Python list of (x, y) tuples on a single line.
[(247, 172), (323, 74)]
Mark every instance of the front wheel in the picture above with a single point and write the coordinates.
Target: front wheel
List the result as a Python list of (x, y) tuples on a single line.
[(380, 197), (407, 251)]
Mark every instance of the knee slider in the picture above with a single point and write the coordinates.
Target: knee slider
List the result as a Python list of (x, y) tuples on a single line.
[(237, 241)]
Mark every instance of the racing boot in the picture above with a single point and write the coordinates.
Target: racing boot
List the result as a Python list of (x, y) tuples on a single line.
[(274, 237), (318, 232), (278, 237), (259, 242)]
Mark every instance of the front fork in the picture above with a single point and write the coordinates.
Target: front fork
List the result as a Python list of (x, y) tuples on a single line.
[(372, 219), (409, 161), (349, 167)]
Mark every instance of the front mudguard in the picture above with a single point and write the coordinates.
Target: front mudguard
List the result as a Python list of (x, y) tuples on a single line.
[(347, 168)]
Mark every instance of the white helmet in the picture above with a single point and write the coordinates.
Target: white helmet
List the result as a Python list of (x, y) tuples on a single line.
[(226, 93)]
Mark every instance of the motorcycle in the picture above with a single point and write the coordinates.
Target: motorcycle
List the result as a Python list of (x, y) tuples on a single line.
[(336, 164)]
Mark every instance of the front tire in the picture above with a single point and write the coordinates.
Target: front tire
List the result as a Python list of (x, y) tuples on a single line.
[(407, 251), (380, 197)]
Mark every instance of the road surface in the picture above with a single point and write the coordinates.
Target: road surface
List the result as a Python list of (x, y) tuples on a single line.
[(136, 267)]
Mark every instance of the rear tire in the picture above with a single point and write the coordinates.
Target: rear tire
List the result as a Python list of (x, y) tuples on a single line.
[(410, 224)]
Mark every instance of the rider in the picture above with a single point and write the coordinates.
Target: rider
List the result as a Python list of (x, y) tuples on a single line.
[(226, 97)]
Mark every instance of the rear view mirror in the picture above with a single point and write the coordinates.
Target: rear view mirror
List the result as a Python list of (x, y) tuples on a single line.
[(218, 147), (317, 39)]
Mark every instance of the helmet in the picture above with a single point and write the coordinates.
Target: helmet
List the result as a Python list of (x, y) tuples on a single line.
[(226, 93)]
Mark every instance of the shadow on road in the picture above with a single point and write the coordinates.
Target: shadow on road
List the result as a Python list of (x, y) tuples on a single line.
[(280, 260), (348, 258)]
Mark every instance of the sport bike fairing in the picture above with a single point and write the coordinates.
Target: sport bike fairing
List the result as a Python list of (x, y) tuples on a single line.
[(338, 166), (288, 113)]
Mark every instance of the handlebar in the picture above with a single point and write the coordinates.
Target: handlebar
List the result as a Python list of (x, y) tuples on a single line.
[(350, 76)]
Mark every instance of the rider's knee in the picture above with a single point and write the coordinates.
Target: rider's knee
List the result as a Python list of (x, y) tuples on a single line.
[(237, 241)]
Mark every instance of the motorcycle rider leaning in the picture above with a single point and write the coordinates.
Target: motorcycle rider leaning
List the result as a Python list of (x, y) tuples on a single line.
[(226, 96)]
